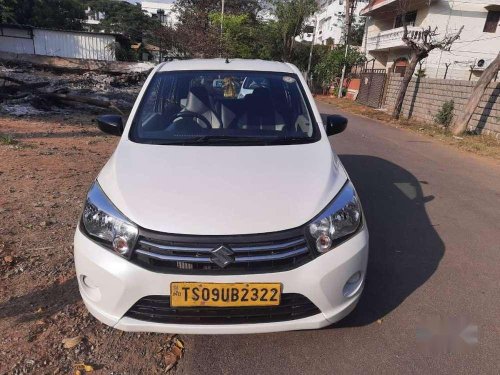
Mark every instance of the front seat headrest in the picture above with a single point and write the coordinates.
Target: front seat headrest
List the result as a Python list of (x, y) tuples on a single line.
[(198, 100), (260, 101)]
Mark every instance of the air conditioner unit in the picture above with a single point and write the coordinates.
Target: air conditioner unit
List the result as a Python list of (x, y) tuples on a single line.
[(482, 64)]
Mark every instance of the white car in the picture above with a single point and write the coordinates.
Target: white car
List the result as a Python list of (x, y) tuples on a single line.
[(220, 214)]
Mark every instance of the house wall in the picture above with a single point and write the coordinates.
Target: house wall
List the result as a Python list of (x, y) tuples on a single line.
[(329, 19), (473, 44), (78, 45), (425, 98), (448, 16), (152, 7)]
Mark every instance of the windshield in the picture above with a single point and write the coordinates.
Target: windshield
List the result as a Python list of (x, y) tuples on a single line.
[(224, 107)]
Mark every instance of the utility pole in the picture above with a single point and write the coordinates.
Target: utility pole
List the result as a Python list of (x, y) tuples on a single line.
[(221, 28), (311, 51), (350, 5)]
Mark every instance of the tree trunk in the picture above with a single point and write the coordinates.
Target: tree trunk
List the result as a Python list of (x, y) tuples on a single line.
[(460, 124), (410, 69)]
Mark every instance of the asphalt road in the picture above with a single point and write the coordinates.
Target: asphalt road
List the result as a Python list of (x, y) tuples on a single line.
[(434, 218)]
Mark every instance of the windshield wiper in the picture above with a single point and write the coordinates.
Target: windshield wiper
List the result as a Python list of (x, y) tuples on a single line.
[(289, 140), (223, 139), (228, 140)]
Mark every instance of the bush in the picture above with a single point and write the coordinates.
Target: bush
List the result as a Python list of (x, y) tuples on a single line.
[(445, 114)]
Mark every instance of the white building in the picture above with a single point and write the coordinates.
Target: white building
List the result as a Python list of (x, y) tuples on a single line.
[(478, 45), (329, 21), (164, 11), (71, 44), (93, 17)]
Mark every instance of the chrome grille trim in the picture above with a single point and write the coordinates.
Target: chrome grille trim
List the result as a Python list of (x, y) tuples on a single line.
[(237, 259), (235, 248), (195, 254), (262, 258), (173, 258)]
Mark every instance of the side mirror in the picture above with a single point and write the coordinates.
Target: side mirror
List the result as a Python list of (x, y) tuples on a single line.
[(111, 124), (335, 124)]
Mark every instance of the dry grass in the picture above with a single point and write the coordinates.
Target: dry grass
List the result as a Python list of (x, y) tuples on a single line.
[(476, 143)]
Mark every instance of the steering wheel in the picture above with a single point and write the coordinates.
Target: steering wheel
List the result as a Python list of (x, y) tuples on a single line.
[(192, 115)]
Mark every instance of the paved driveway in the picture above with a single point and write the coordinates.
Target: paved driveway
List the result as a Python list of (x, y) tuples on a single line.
[(434, 219)]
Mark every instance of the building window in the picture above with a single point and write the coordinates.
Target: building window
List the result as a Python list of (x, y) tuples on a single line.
[(410, 19), (492, 20)]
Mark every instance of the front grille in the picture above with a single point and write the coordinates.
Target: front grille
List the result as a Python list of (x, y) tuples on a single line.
[(157, 309), (193, 254)]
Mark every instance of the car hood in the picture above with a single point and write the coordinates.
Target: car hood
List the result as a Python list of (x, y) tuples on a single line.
[(221, 190)]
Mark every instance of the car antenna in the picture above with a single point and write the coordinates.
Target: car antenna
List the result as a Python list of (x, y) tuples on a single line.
[(227, 60)]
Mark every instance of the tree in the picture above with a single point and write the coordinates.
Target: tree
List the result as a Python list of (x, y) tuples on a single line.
[(290, 21), (54, 14), (7, 13), (124, 18), (460, 124), (58, 14), (300, 54), (420, 44), (330, 65), (241, 36), (198, 30), (358, 31)]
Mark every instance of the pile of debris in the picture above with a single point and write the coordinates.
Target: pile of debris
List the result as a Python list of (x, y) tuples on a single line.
[(26, 90)]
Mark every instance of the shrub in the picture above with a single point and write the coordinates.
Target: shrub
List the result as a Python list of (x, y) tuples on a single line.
[(445, 114), (7, 139)]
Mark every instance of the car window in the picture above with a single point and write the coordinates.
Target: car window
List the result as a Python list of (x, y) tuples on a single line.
[(224, 107)]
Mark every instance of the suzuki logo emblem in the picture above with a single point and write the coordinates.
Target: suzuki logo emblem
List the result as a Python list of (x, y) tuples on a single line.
[(222, 256)]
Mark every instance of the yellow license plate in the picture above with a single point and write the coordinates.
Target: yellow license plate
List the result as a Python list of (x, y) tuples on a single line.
[(224, 294)]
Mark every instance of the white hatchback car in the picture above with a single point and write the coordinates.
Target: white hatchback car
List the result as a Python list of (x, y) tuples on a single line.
[(219, 213)]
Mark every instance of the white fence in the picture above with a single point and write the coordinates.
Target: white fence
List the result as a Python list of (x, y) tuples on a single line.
[(72, 44), (392, 38)]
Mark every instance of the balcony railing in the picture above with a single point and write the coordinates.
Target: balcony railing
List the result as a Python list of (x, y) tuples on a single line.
[(392, 38)]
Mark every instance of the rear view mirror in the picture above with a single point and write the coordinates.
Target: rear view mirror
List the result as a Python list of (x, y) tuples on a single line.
[(111, 124), (335, 124)]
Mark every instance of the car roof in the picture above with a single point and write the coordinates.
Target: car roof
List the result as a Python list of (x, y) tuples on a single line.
[(230, 64)]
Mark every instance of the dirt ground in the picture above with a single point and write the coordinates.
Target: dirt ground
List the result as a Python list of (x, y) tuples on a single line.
[(45, 171)]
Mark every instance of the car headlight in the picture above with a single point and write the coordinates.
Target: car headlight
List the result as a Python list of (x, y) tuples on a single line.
[(102, 221), (341, 219)]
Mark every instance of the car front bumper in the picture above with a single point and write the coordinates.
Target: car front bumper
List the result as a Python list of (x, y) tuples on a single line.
[(110, 285)]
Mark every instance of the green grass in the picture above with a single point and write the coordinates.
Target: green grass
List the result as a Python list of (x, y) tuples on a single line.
[(8, 139)]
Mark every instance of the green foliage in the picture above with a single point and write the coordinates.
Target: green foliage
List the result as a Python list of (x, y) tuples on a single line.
[(7, 139), (7, 13), (58, 14), (124, 53), (445, 114), (300, 54), (124, 18), (358, 31), (290, 18), (239, 35), (330, 65), (198, 31), (53, 14)]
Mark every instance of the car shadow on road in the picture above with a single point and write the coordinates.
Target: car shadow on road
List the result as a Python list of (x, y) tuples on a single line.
[(41, 302), (405, 249)]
